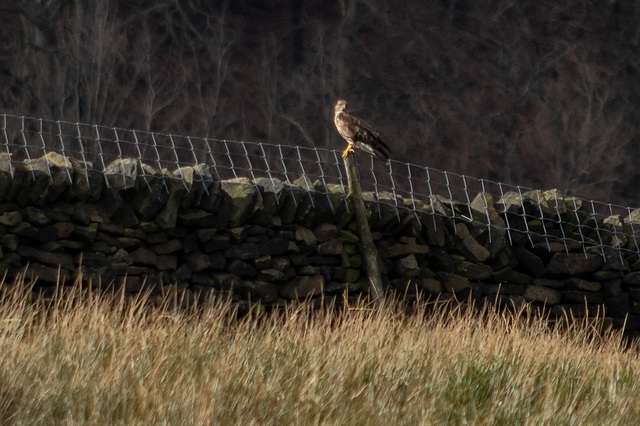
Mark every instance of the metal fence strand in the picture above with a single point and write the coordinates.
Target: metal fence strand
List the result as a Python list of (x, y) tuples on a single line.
[(6, 143), (228, 154), (597, 228), (633, 231), (393, 190), (26, 149), (306, 179), (253, 176), (322, 178), (144, 176), (431, 195), (268, 170), (284, 167), (44, 150), (466, 194), (545, 234), (486, 209), (413, 200), (524, 218), (82, 152), (178, 168), (104, 166), (557, 209), (214, 164), (506, 216), (453, 210)]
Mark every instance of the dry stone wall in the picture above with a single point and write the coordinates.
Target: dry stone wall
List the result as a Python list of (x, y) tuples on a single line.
[(144, 229)]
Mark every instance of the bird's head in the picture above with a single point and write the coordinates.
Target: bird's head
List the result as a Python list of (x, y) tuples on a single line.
[(341, 106)]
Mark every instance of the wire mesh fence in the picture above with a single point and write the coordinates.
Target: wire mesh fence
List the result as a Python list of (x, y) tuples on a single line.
[(539, 216)]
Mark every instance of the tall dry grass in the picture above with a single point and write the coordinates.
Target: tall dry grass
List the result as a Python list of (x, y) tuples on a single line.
[(97, 359)]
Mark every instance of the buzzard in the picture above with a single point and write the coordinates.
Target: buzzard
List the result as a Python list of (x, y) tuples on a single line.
[(358, 133)]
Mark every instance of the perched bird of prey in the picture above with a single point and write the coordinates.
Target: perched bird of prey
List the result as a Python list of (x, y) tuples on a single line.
[(358, 133)]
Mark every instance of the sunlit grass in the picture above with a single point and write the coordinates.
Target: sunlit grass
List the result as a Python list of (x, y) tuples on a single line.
[(86, 358)]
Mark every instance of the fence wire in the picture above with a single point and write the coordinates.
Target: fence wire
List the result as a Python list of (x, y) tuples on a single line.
[(541, 217)]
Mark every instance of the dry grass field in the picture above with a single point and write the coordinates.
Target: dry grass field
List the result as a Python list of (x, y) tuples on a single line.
[(91, 359)]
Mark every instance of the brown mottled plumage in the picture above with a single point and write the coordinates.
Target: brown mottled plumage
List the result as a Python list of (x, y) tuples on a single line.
[(358, 133)]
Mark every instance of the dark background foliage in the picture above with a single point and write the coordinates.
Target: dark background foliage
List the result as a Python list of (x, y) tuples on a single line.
[(539, 93)]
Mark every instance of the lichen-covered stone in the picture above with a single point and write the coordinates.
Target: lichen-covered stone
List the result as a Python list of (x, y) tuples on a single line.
[(473, 271), (6, 180), (574, 283), (573, 264), (197, 261), (548, 282), (144, 256), (348, 236), (397, 250), (354, 261), (305, 236), (535, 293), (454, 283), (433, 228), (147, 202), (10, 218), (303, 287), (432, 285), (349, 249), (408, 266), (9, 241), (56, 168), (168, 247), (244, 251), (181, 274), (243, 196), (167, 262), (529, 260), (291, 199), (270, 201), (121, 257), (331, 247), (484, 211), (511, 276), (48, 258), (47, 274), (168, 216), (122, 172), (308, 211), (241, 269), (25, 230), (270, 275), (470, 246), (325, 232), (87, 184), (632, 278)]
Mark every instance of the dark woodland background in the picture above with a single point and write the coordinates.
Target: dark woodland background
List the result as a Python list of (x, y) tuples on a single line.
[(541, 93)]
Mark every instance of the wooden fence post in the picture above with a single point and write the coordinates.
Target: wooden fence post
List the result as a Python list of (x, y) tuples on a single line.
[(369, 249)]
